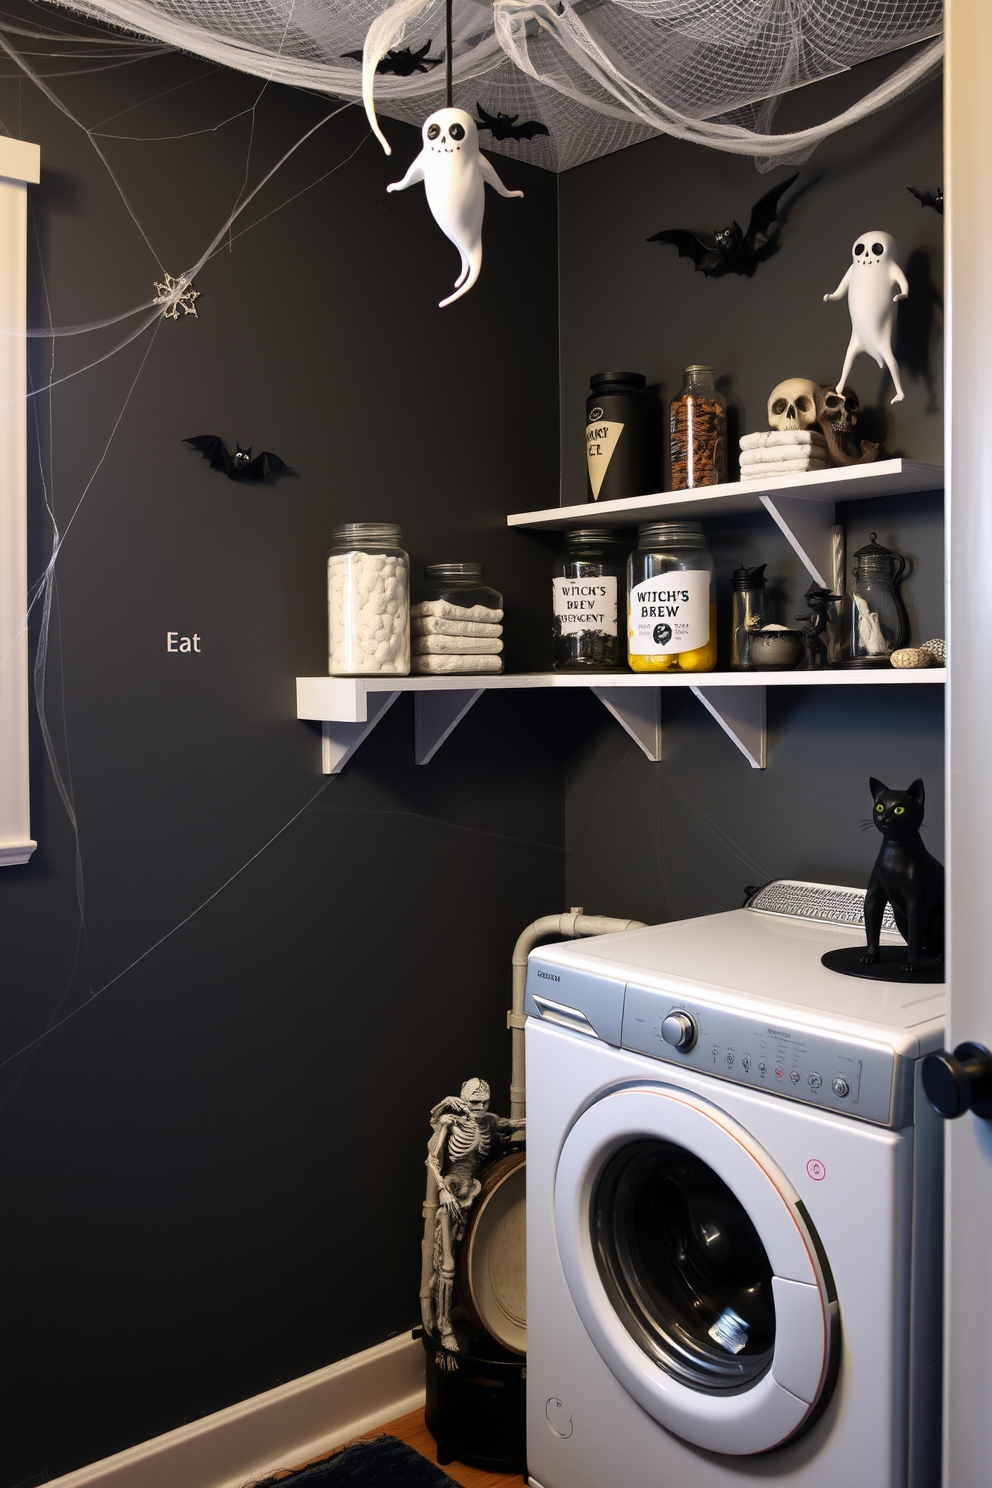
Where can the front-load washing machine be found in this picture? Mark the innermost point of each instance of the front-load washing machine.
(733, 1208)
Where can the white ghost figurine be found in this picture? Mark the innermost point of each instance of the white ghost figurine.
(454, 173)
(868, 285)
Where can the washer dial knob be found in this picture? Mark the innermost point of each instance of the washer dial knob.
(679, 1030)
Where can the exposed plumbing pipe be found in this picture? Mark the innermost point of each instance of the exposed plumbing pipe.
(568, 926)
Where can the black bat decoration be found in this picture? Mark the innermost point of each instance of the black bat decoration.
(733, 251)
(505, 126)
(403, 62)
(929, 198)
(240, 465)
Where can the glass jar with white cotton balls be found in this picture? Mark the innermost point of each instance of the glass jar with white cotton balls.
(368, 601)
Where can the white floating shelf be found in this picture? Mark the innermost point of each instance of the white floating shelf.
(802, 505)
(849, 483)
(349, 707)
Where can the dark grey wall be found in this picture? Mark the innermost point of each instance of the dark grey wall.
(629, 303)
(683, 838)
(213, 1172)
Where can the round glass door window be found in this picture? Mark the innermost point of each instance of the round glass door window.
(694, 1269)
(683, 1266)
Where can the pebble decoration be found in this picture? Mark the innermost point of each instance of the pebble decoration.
(931, 653)
(368, 614)
(910, 656)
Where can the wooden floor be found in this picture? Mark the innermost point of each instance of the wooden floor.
(411, 1429)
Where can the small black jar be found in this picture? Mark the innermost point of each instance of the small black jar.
(619, 453)
(588, 596)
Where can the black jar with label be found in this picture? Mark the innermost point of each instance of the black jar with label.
(588, 592)
(619, 453)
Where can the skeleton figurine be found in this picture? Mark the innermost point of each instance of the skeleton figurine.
(464, 1135)
(837, 414)
(816, 634)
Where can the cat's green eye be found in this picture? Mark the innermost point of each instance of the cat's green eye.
(879, 807)
(900, 810)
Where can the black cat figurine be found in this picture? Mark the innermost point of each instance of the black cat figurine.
(905, 876)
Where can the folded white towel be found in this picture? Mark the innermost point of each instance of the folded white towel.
(434, 665)
(435, 645)
(775, 438)
(431, 625)
(785, 467)
(780, 456)
(442, 610)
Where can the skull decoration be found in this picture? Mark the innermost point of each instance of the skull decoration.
(837, 414)
(792, 404)
(839, 410)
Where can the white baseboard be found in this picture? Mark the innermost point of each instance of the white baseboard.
(282, 1428)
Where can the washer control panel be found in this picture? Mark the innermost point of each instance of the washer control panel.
(821, 1069)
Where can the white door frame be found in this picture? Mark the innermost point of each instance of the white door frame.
(19, 164)
(968, 423)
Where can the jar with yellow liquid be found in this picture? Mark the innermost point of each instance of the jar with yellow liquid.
(671, 600)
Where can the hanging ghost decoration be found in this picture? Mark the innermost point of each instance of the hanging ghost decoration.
(868, 285)
(454, 173)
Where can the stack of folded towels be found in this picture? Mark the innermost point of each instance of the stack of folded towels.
(782, 452)
(454, 638)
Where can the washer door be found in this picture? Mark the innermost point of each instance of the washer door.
(695, 1270)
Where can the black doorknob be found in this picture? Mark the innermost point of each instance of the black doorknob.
(959, 1082)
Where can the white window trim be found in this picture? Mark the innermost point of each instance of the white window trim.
(19, 165)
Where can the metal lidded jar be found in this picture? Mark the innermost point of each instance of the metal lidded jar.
(619, 457)
(671, 600)
(878, 620)
(588, 590)
(699, 432)
(368, 601)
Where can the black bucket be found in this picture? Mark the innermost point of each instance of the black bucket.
(476, 1406)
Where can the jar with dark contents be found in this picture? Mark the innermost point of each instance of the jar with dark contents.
(587, 587)
(699, 432)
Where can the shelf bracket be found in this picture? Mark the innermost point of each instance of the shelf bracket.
(808, 525)
(340, 740)
(740, 712)
(638, 710)
(436, 715)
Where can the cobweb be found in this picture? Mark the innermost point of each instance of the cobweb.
(598, 74)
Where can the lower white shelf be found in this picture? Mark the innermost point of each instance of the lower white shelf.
(350, 707)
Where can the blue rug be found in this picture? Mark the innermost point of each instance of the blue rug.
(382, 1463)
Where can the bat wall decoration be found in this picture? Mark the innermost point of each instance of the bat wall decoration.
(403, 62)
(927, 198)
(505, 126)
(239, 466)
(732, 250)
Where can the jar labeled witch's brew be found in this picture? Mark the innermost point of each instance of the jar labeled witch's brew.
(587, 596)
(671, 605)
